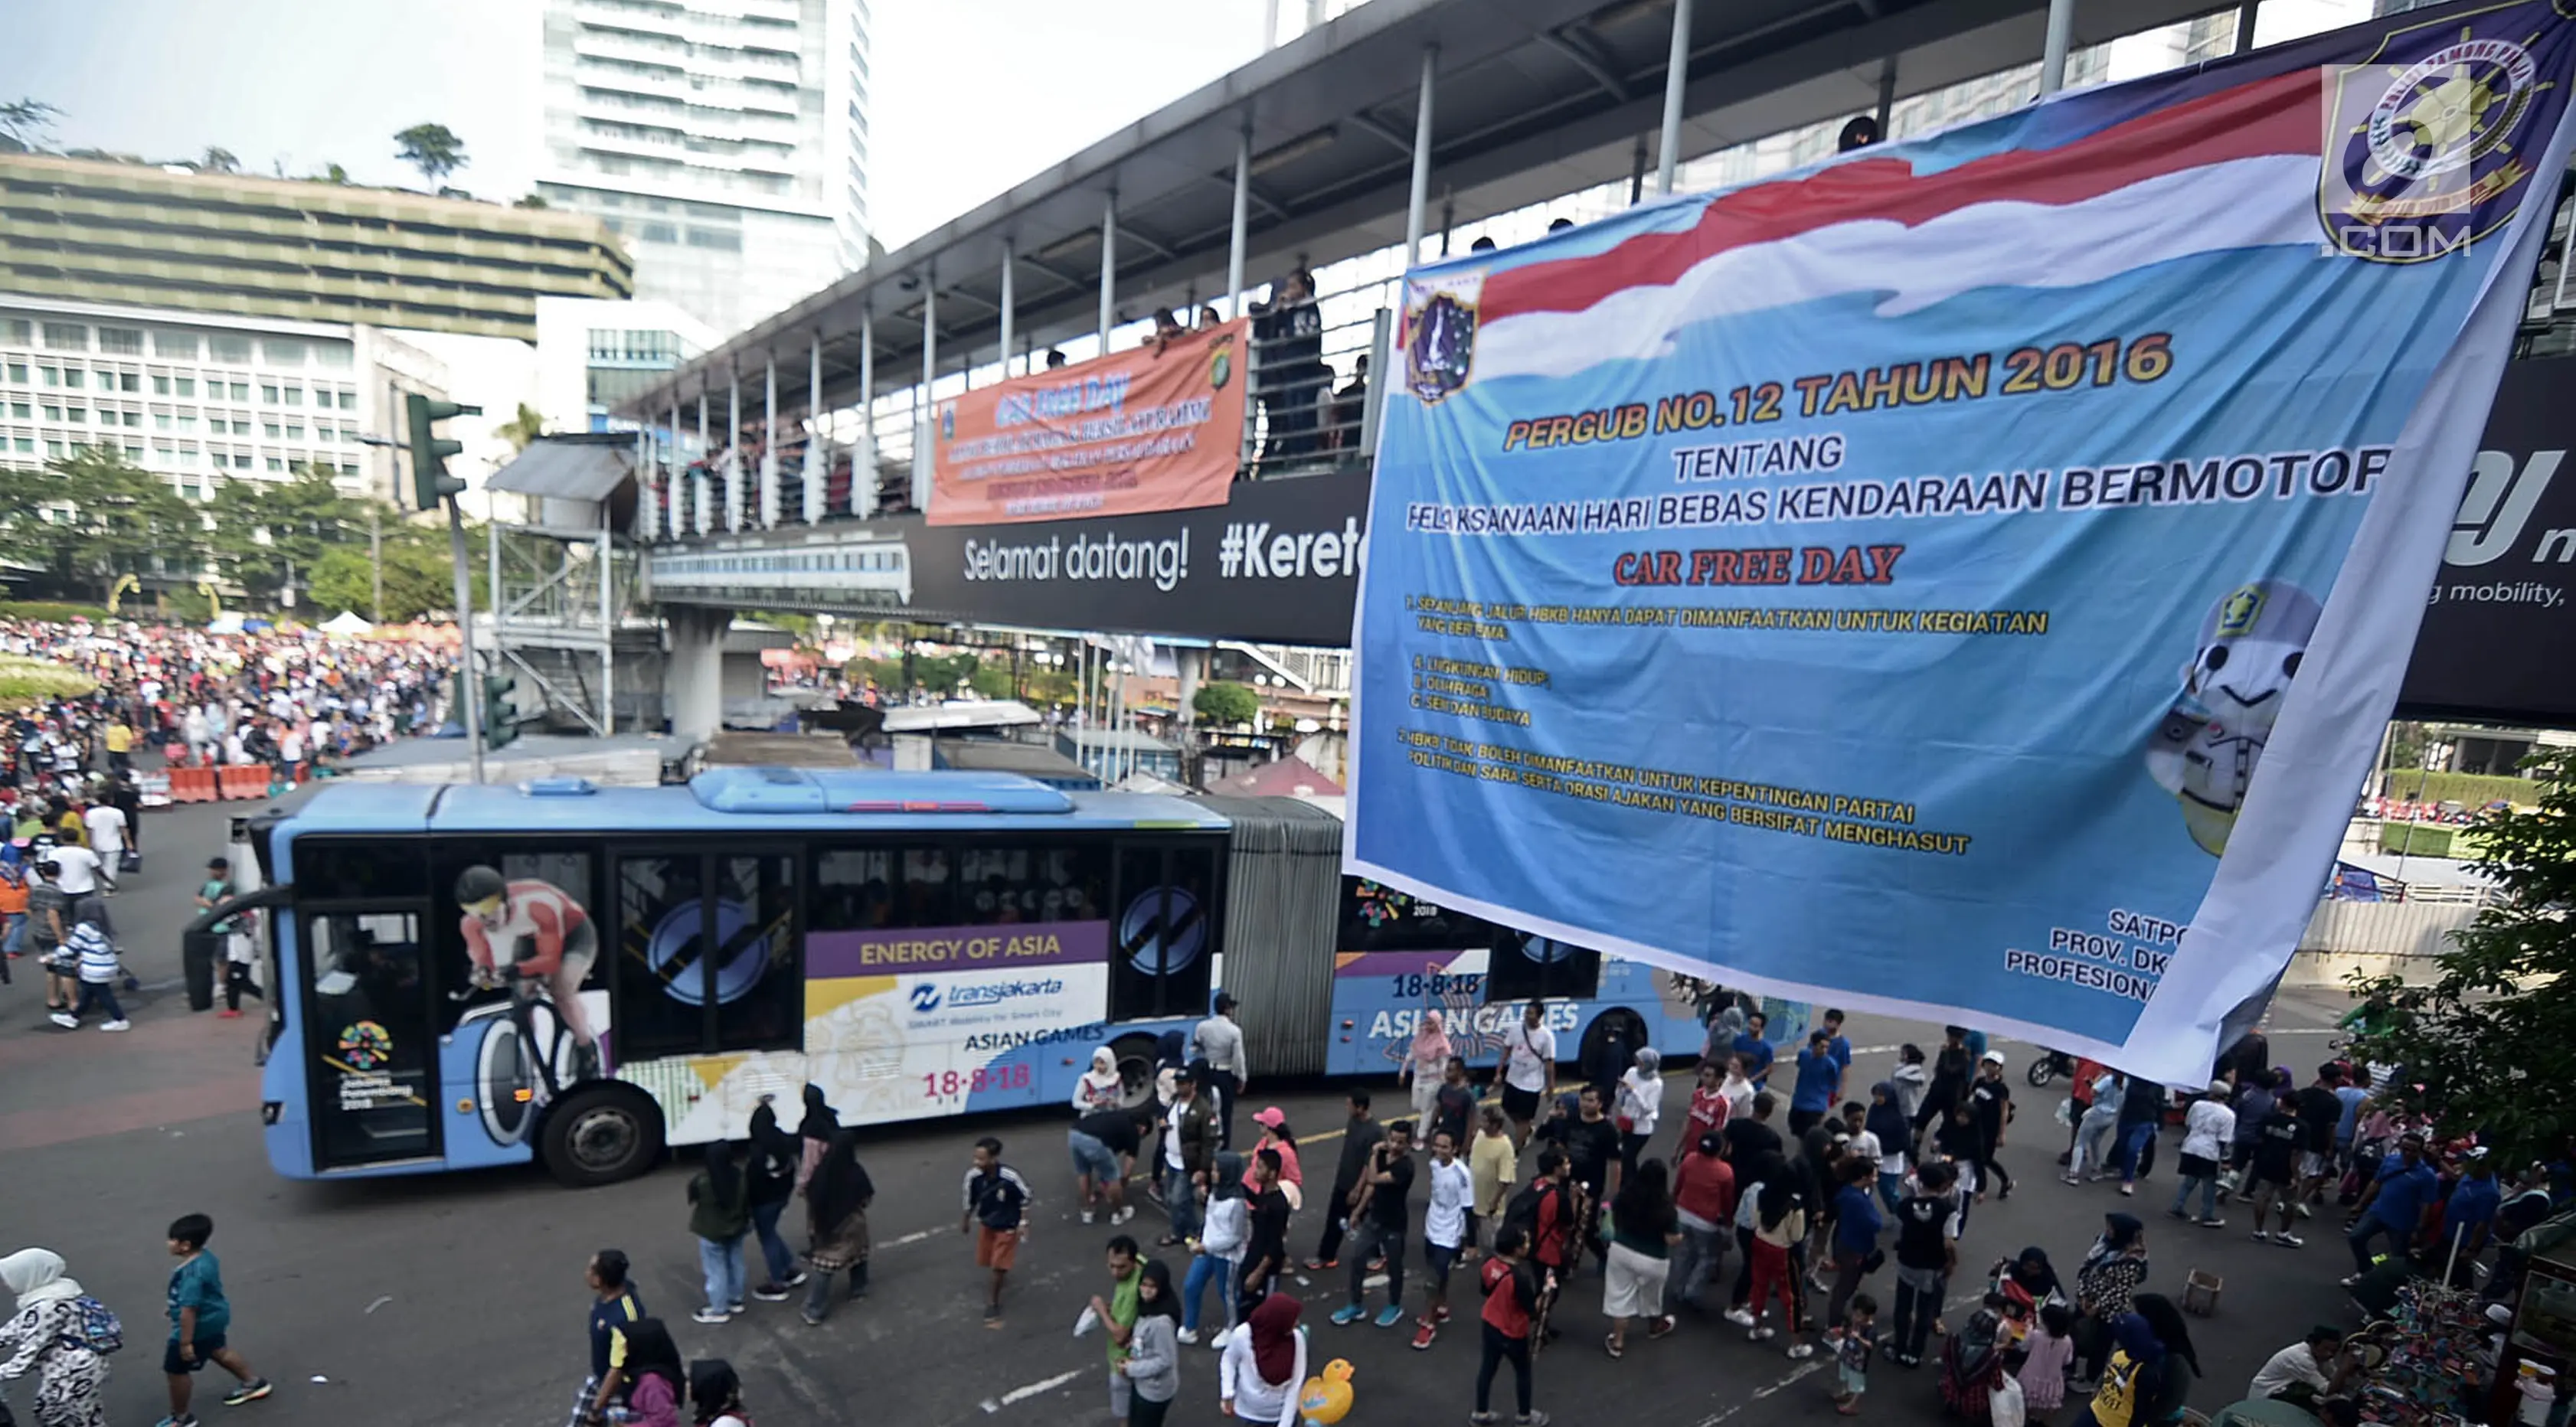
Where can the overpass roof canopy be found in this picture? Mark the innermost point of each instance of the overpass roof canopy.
(1532, 99)
(584, 467)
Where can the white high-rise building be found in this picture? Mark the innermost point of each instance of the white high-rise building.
(726, 141)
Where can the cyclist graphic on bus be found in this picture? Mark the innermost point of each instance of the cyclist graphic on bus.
(552, 946)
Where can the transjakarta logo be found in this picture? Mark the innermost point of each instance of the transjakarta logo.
(1254, 549)
(995, 994)
(925, 997)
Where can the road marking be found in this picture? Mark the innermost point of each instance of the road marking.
(912, 1238)
(1026, 1391)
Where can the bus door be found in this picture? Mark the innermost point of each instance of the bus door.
(371, 1035)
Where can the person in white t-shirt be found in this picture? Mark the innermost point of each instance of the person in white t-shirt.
(79, 868)
(1444, 1232)
(106, 824)
(1528, 1070)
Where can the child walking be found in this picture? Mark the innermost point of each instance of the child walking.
(200, 1322)
(1854, 1342)
(2051, 1351)
(99, 966)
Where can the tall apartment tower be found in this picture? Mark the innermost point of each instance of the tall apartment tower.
(725, 141)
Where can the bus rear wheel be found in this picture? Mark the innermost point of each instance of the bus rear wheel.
(600, 1133)
(1630, 1030)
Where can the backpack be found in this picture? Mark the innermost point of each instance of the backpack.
(97, 1326)
(1522, 1212)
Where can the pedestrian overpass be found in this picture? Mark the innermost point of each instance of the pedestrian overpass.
(779, 470)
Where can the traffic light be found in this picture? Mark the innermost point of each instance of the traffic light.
(500, 717)
(429, 453)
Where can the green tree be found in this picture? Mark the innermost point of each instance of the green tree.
(90, 517)
(333, 173)
(419, 578)
(218, 160)
(434, 149)
(530, 200)
(2489, 1043)
(523, 428)
(25, 124)
(1225, 704)
(270, 536)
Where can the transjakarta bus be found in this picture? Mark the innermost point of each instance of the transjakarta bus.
(472, 976)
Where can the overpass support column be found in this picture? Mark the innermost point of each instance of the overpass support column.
(1242, 197)
(863, 461)
(1886, 96)
(694, 669)
(1422, 158)
(1676, 80)
(923, 437)
(2061, 34)
(675, 477)
(818, 450)
(769, 448)
(702, 497)
(1108, 268)
(2245, 17)
(733, 451)
(1010, 300)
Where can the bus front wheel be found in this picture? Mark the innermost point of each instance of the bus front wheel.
(599, 1134)
(1135, 1057)
(1618, 1024)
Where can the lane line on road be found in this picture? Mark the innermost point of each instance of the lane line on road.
(1025, 1391)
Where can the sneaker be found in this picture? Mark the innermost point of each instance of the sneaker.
(251, 1391)
(1740, 1317)
(1125, 1213)
(190, 1420)
(1087, 1216)
(796, 1279)
(1531, 1419)
(116, 1025)
(771, 1293)
(2213, 1223)
(810, 1320)
(1189, 1337)
(2288, 1240)
(2350, 1281)
(736, 1311)
(64, 1020)
(711, 1315)
(1763, 1334)
(1346, 1315)
(228, 1014)
(1389, 1316)
(1424, 1330)
(2068, 1179)
(2176, 1214)
(1440, 1314)
(2307, 1211)
(1319, 1265)
(2262, 1237)
(1802, 1350)
(1483, 1419)
(992, 1315)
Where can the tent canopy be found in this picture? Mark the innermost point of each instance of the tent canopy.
(346, 622)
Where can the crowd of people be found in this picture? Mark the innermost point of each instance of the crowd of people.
(73, 768)
(1547, 1197)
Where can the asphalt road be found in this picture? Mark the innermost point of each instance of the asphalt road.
(460, 1299)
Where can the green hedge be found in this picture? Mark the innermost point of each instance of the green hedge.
(2415, 840)
(2474, 789)
(49, 611)
(24, 681)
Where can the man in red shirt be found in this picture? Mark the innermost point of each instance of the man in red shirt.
(1704, 1197)
(1516, 1291)
(556, 934)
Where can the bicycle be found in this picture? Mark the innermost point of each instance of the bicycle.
(524, 1049)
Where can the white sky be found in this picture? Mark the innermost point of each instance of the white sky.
(970, 96)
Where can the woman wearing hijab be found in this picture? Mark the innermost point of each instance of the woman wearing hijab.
(1972, 1363)
(1153, 1361)
(1640, 1105)
(715, 1394)
(816, 1131)
(2170, 1392)
(2028, 1277)
(2106, 1284)
(720, 1215)
(1426, 1064)
(770, 1175)
(836, 1217)
(45, 1335)
(1264, 1367)
(653, 1369)
(1100, 1087)
(2137, 1361)
(1895, 1133)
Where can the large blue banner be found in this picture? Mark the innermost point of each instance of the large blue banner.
(1966, 578)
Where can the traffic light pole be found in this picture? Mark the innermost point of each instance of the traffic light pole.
(469, 680)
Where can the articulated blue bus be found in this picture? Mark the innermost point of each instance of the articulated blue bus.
(580, 975)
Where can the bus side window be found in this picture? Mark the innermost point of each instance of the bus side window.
(1018, 885)
(662, 952)
(1163, 931)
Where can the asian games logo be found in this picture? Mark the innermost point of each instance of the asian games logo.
(2429, 157)
(1440, 333)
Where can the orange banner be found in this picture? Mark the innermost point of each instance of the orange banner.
(1133, 431)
